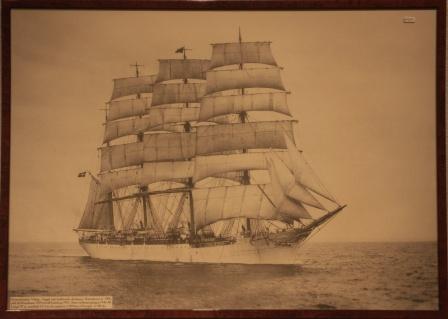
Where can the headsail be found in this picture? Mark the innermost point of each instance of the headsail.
(302, 172)
(281, 201)
(280, 172)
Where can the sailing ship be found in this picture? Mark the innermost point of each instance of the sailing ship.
(191, 170)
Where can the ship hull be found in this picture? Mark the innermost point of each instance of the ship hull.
(244, 251)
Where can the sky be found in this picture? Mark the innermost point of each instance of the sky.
(362, 88)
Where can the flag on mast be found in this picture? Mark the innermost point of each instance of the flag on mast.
(180, 50)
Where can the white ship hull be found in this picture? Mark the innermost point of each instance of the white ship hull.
(242, 252)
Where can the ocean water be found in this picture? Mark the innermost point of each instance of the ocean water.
(392, 276)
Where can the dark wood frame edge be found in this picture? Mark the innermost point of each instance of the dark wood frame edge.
(438, 5)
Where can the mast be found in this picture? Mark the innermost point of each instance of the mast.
(143, 189)
(190, 184)
(242, 117)
(128, 114)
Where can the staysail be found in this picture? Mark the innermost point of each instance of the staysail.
(303, 173)
(97, 216)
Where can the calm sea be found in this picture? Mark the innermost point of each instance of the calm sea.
(398, 276)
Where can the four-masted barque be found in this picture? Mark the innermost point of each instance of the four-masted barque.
(199, 164)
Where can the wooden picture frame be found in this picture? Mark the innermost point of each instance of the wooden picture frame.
(439, 6)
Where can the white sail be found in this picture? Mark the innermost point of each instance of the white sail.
(125, 127)
(97, 216)
(169, 127)
(212, 106)
(167, 115)
(123, 155)
(283, 204)
(148, 174)
(177, 69)
(175, 171)
(211, 165)
(288, 183)
(133, 85)
(251, 135)
(172, 93)
(245, 52)
(251, 201)
(303, 173)
(154, 148)
(169, 146)
(247, 78)
(127, 108)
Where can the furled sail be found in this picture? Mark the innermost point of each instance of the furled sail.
(125, 127)
(211, 165)
(172, 93)
(175, 69)
(150, 173)
(127, 108)
(241, 52)
(219, 203)
(133, 85)
(97, 216)
(169, 146)
(212, 106)
(247, 78)
(303, 173)
(123, 155)
(250, 135)
(167, 115)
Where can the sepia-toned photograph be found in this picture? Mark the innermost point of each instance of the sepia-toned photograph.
(223, 160)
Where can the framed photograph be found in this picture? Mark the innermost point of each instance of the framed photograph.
(221, 159)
